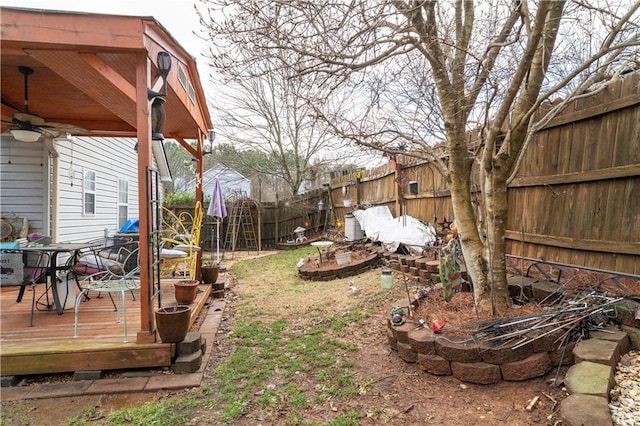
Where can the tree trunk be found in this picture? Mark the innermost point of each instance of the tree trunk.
(473, 249)
(496, 294)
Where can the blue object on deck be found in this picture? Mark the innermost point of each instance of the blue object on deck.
(10, 245)
(132, 225)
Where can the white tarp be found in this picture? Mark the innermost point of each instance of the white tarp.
(379, 225)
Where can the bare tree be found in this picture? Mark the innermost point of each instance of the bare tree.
(424, 73)
(181, 165)
(267, 112)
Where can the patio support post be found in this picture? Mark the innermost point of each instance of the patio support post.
(143, 106)
(199, 192)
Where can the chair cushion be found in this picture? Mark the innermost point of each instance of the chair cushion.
(81, 269)
(186, 248)
(100, 263)
(172, 253)
(34, 274)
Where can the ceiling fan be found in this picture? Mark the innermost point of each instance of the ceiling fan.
(27, 127)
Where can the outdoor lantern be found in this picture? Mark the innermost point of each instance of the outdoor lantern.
(158, 117)
(320, 205)
(211, 136)
(164, 66)
(158, 114)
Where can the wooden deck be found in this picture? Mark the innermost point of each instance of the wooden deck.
(49, 346)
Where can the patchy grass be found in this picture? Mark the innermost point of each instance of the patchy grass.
(289, 350)
(290, 341)
(166, 412)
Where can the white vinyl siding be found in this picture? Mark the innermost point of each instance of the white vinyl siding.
(113, 159)
(25, 183)
(29, 174)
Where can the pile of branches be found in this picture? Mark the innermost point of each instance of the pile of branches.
(569, 321)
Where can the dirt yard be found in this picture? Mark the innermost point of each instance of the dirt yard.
(392, 391)
(400, 393)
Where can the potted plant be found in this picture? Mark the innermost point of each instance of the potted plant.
(209, 273)
(185, 291)
(172, 322)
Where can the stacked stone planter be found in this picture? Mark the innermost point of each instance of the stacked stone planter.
(592, 362)
(421, 269)
(475, 362)
(470, 361)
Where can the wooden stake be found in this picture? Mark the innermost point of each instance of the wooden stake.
(406, 286)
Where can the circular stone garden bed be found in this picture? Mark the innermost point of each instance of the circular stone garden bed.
(454, 350)
(326, 267)
(527, 341)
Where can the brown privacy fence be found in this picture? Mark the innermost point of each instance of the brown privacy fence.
(277, 220)
(574, 200)
(576, 197)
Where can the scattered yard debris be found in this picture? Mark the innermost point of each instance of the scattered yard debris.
(532, 403)
(569, 321)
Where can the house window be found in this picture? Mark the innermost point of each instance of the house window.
(123, 202)
(89, 192)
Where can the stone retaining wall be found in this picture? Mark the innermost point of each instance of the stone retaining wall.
(331, 271)
(475, 362)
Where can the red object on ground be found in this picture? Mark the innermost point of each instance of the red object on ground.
(437, 325)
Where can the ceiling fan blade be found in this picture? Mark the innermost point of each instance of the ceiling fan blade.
(25, 117)
(64, 128)
(24, 120)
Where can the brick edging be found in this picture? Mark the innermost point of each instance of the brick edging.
(472, 361)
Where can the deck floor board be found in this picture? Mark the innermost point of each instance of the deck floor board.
(99, 335)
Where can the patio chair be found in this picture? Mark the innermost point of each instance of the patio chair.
(181, 245)
(121, 279)
(34, 272)
(100, 259)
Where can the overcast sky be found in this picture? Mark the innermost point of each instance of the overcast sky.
(177, 16)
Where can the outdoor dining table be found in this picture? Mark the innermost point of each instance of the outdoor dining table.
(53, 250)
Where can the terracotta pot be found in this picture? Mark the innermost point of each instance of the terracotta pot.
(209, 274)
(172, 323)
(185, 291)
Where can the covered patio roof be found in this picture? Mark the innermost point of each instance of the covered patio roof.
(93, 74)
(86, 70)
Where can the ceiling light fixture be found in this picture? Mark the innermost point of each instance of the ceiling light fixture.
(25, 135)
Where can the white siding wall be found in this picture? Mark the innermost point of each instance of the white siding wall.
(24, 182)
(27, 177)
(111, 159)
(230, 181)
